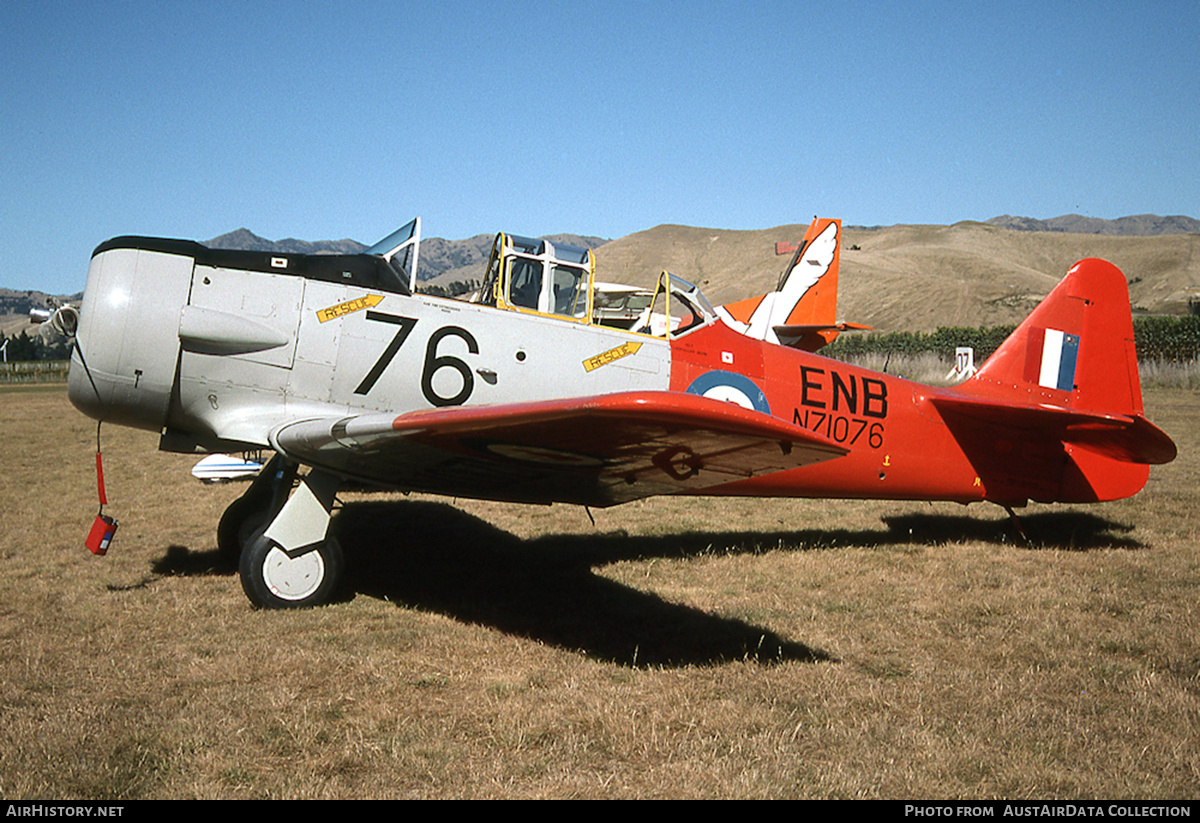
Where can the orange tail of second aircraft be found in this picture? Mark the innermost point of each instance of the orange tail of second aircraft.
(802, 311)
(1065, 383)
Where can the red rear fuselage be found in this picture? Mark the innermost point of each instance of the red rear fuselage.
(1055, 415)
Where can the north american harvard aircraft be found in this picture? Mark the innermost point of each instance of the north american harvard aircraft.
(350, 378)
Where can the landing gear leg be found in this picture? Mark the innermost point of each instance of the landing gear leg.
(254, 509)
(294, 562)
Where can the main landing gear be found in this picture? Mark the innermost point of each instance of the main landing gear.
(277, 534)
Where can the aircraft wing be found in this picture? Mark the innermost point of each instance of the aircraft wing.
(596, 451)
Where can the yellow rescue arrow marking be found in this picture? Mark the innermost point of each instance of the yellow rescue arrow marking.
(604, 358)
(342, 309)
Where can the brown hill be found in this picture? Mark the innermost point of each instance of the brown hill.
(915, 278)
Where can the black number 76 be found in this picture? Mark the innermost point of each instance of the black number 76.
(433, 362)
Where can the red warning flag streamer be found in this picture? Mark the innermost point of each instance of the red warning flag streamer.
(100, 481)
(100, 472)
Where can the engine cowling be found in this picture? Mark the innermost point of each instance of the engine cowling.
(124, 367)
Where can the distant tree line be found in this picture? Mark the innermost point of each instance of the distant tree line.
(1170, 339)
(1167, 339)
(984, 340)
(25, 347)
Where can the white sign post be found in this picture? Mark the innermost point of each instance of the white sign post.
(964, 363)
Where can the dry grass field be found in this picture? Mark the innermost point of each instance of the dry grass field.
(677, 648)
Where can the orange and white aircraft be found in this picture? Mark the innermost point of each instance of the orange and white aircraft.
(334, 364)
(802, 310)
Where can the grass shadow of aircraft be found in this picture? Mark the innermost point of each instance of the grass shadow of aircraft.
(1062, 530)
(434, 556)
(545, 589)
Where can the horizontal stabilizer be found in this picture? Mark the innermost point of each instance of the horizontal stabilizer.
(1128, 438)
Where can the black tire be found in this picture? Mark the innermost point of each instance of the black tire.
(242, 518)
(250, 512)
(273, 580)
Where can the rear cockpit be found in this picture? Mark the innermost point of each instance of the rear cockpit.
(676, 308)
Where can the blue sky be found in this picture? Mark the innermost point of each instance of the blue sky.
(330, 120)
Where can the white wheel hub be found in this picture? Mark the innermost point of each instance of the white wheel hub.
(293, 578)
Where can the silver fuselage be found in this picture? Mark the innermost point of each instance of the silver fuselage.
(217, 349)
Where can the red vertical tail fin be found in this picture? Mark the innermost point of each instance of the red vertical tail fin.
(1075, 350)
(1056, 412)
